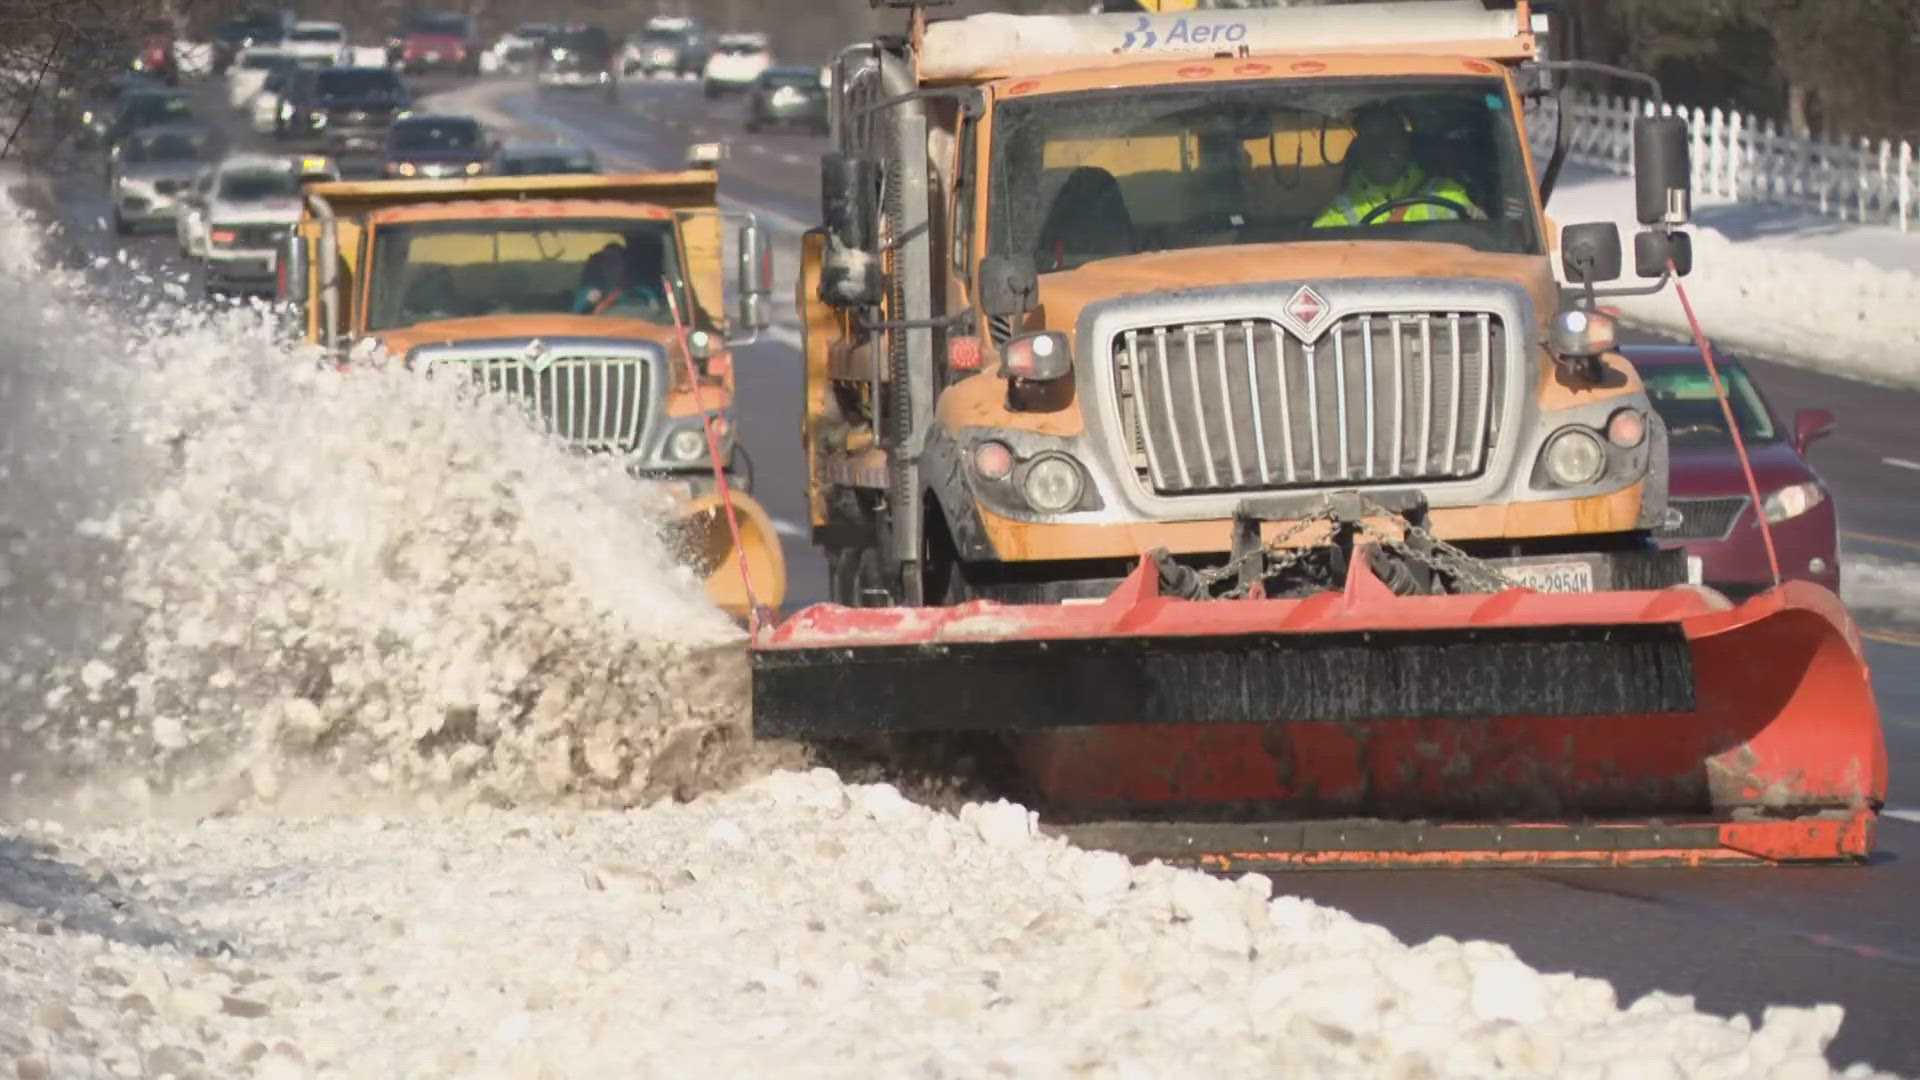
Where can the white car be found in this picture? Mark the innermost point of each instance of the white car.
(317, 44)
(250, 71)
(263, 109)
(517, 51)
(737, 60)
(238, 216)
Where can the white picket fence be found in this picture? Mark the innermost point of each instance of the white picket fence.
(1744, 159)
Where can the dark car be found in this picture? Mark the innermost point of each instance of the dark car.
(344, 109)
(1710, 512)
(144, 109)
(542, 159)
(254, 28)
(440, 41)
(668, 45)
(787, 97)
(437, 147)
(95, 114)
(578, 57)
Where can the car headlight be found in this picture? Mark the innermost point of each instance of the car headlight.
(286, 110)
(1053, 484)
(475, 168)
(686, 444)
(1575, 458)
(1792, 501)
(318, 119)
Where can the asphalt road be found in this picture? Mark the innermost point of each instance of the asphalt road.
(1736, 939)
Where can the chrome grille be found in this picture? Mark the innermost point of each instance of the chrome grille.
(1220, 406)
(1702, 519)
(590, 402)
(258, 236)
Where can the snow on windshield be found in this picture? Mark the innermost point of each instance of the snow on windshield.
(254, 186)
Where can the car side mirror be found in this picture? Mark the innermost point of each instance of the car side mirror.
(1652, 249)
(1009, 286)
(1662, 171)
(1810, 426)
(755, 279)
(1590, 252)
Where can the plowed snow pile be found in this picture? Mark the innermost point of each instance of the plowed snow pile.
(360, 706)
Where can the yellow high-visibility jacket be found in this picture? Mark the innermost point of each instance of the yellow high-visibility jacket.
(1363, 197)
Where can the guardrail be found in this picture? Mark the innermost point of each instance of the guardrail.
(1747, 159)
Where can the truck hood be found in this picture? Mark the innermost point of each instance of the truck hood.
(401, 340)
(1064, 294)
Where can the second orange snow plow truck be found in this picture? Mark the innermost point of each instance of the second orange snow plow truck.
(592, 301)
(1193, 409)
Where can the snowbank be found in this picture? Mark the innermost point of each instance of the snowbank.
(1884, 587)
(1773, 299)
(796, 927)
(371, 578)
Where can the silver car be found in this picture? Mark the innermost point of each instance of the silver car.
(153, 170)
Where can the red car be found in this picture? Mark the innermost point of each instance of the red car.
(441, 42)
(1709, 510)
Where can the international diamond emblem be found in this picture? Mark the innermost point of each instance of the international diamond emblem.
(537, 356)
(1307, 313)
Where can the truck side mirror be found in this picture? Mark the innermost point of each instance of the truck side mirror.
(1652, 249)
(849, 199)
(1662, 171)
(755, 284)
(1590, 253)
(1009, 286)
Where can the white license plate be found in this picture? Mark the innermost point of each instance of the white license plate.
(1566, 577)
(1696, 571)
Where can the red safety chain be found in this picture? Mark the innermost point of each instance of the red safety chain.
(713, 457)
(1733, 425)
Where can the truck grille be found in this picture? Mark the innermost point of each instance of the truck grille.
(589, 402)
(259, 236)
(1702, 519)
(1219, 406)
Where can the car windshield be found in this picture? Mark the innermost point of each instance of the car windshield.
(326, 34)
(662, 37)
(446, 25)
(360, 82)
(254, 186)
(436, 135)
(265, 61)
(1099, 174)
(1684, 397)
(532, 165)
(167, 147)
(160, 109)
(799, 79)
(740, 50)
(449, 270)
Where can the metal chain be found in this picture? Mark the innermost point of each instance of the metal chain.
(1438, 555)
(1280, 554)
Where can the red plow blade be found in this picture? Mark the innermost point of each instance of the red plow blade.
(1362, 729)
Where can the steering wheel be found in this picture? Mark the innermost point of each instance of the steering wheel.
(1388, 207)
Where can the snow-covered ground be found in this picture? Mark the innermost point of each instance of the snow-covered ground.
(1842, 299)
(386, 740)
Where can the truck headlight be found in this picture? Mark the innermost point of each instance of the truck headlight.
(1792, 501)
(686, 444)
(1053, 484)
(1575, 457)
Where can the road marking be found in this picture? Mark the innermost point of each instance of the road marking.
(1903, 815)
(1892, 637)
(783, 527)
(1875, 538)
(794, 159)
(1901, 463)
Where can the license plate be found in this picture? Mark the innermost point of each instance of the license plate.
(1566, 577)
(1696, 570)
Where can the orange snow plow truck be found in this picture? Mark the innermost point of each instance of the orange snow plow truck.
(1194, 418)
(593, 301)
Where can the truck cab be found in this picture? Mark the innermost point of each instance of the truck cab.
(595, 301)
(1210, 284)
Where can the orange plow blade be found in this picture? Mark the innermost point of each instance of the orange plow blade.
(1363, 729)
(702, 537)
